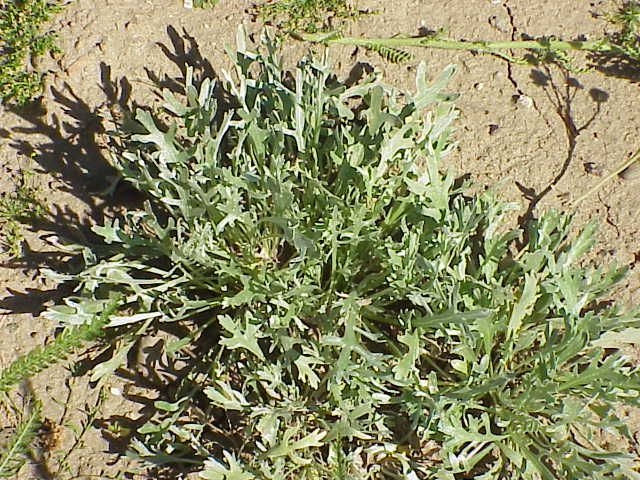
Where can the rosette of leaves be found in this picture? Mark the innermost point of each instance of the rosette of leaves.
(353, 312)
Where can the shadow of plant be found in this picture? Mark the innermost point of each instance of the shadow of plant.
(619, 66)
(155, 376)
(73, 147)
(561, 94)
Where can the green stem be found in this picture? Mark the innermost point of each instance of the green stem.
(14, 455)
(39, 358)
(600, 45)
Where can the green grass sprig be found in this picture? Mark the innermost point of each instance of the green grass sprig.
(14, 452)
(40, 358)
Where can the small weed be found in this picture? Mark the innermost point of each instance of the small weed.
(628, 20)
(14, 452)
(21, 206)
(22, 40)
(11, 240)
(200, 3)
(205, 3)
(307, 15)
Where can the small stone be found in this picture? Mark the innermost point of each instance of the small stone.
(499, 24)
(592, 168)
(524, 101)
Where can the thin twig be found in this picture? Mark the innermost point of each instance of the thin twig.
(617, 171)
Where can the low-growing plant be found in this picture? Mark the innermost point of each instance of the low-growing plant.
(352, 310)
(200, 3)
(307, 15)
(627, 18)
(21, 206)
(22, 40)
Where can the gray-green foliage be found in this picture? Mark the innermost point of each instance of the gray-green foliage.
(367, 318)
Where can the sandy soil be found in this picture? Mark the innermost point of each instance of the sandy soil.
(543, 136)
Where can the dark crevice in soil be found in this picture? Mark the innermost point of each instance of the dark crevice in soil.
(562, 98)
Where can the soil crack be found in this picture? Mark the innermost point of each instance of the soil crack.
(516, 86)
(608, 217)
(514, 29)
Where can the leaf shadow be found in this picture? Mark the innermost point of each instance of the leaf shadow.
(561, 94)
(618, 66)
(72, 146)
(153, 376)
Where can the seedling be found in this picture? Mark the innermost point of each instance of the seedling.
(22, 206)
(22, 40)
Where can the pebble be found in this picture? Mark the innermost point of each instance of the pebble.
(592, 168)
(499, 24)
(524, 101)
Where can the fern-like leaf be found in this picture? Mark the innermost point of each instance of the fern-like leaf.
(40, 358)
(390, 54)
(14, 453)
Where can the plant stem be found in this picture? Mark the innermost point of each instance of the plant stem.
(599, 45)
(40, 358)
